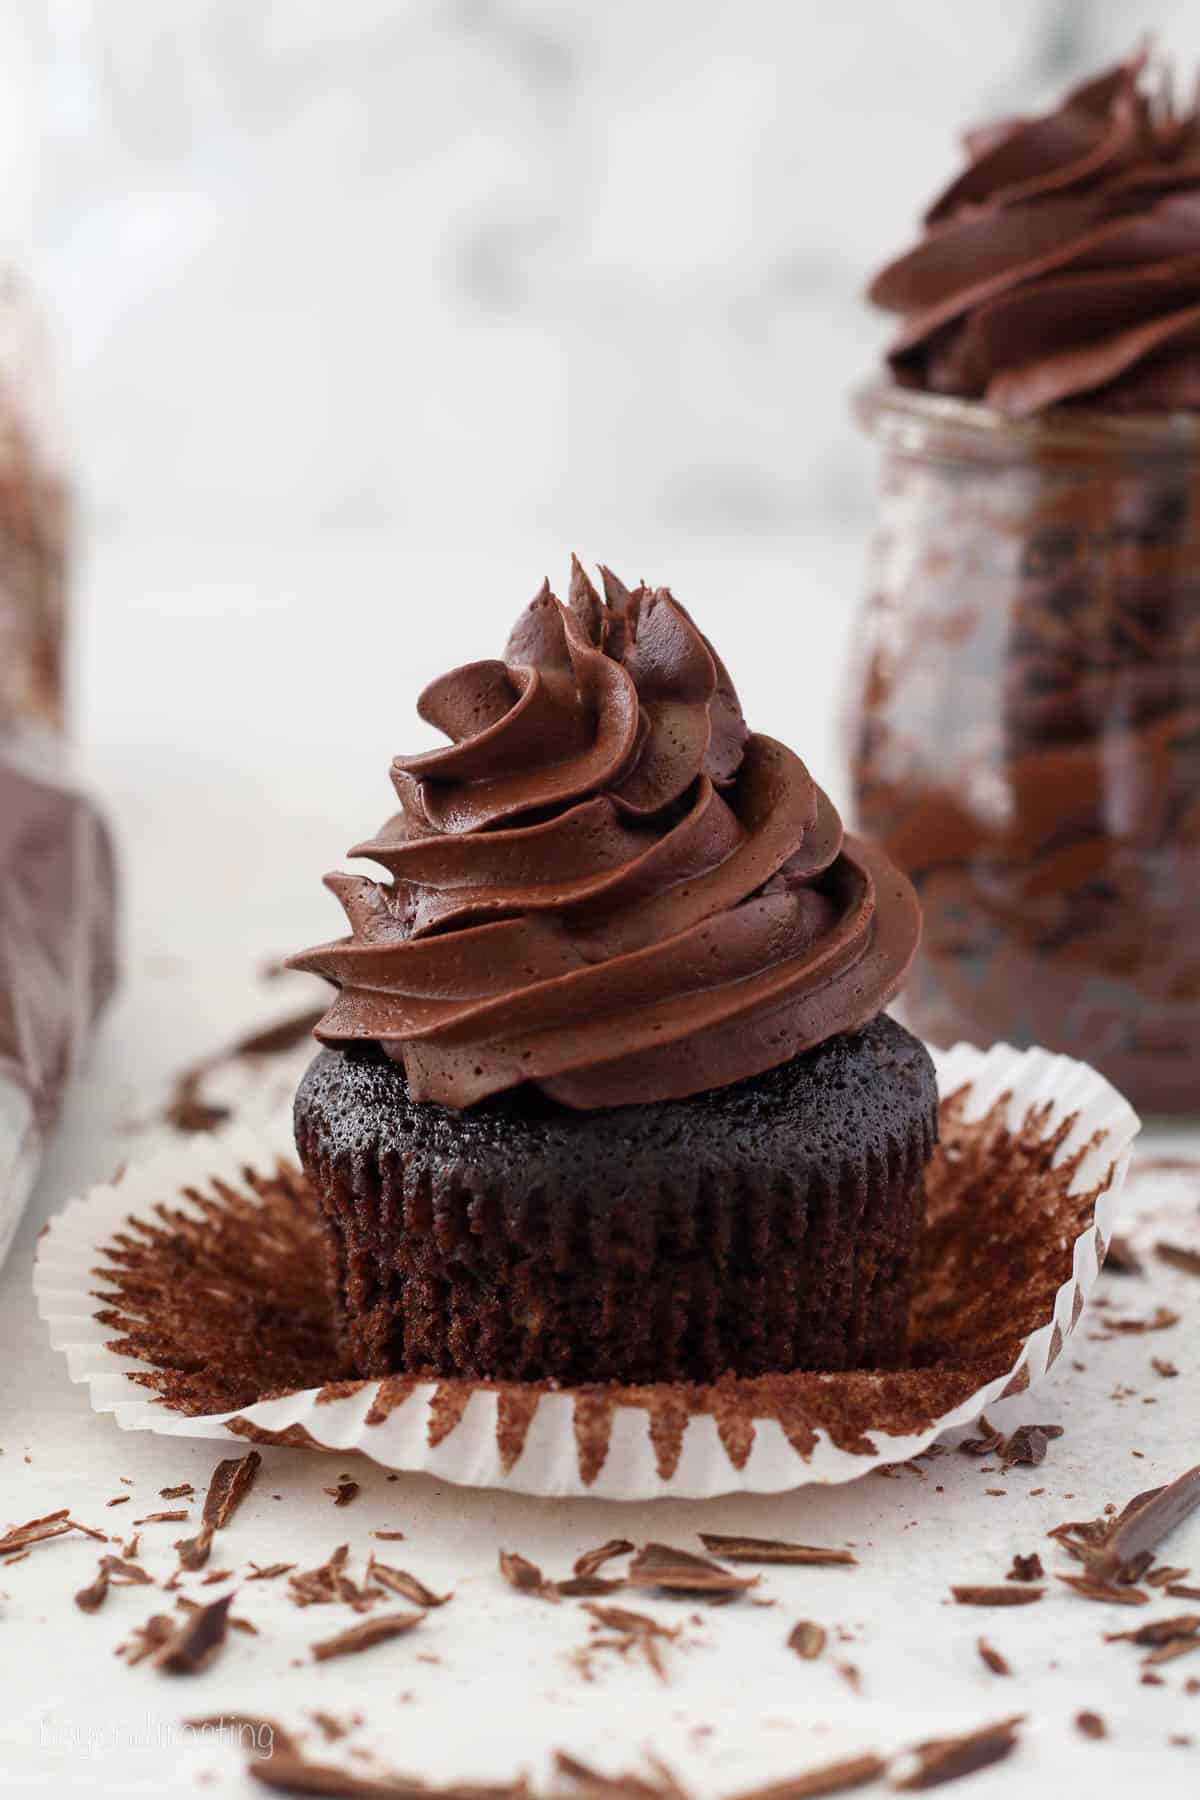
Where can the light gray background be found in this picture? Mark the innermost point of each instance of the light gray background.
(439, 265)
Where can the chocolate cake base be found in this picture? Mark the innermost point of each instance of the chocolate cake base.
(759, 1228)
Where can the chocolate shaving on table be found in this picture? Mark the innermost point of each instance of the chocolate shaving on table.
(589, 1784)
(1121, 1258)
(148, 1637)
(389, 1537)
(679, 1571)
(1162, 1320)
(196, 1642)
(851, 1674)
(1158, 1631)
(1026, 1568)
(345, 1491)
(948, 1759)
(1110, 1593)
(1178, 1591)
(1147, 1520)
(771, 1550)
(581, 1587)
(366, 1635)
(1164, 1575)
(1028, 1444)
(174, 1517)
(592, 1561)
(37, 1531)
(525, 1576)
(1181, 1646)
(998, 1664)
(807, 1639)
(184, 1491)
(187, 1110)
(1091, 1725)
(976, 1594)
(271, 1572)
(228, 1486)
(247, 1626)
(329, 1583)
(813, 1784)
(1179, 1257)
(1162, 1366)
(119, 1500)
(91, 1598)
(635, 1631)
(114, 1571)
(399, 1581)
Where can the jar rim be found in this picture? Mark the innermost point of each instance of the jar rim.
(912, 420)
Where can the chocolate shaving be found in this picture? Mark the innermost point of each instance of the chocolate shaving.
(807, 1639)
(1026, 1568)
(1147, 1520)
(329, 1583)
(112, 1570)
(1158, 1631)
(678, 1571)
(1182, 1646)
(949, 1759)
(365, 1636)
(1091, 1725)
(592, 1561)
(635, 1631)
(1092, 1588)
(157, 1630)
(976, 1595)
(163, 1518)
(1179, 1257)
(196, 1642)
(771, 1550)
(90, 1599)
(1163, 1367)
(37, 1531)
(1121, 1258)
(345, 1491)
(1178, 1591)
(993, 1659)
(390, 1537)
(813, 1784)
(1162, 1320)
(399, 1581)
(271, 1572)
(580, 1587)
(188, 1111)
(228, 1486)
(184, 1491)
(1027, 1444)
(525, 1576)
(119, 1500)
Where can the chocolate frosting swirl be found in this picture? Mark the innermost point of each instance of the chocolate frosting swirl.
(605, 885)
(1063, 263)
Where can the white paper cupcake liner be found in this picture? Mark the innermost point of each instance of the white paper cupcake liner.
(1065, 1151)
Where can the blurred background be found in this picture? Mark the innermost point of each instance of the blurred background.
(364, 315)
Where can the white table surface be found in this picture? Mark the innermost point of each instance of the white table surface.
(237, 707)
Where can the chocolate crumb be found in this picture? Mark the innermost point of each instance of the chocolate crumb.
(1162, 1320)
(119, 1500)
(770, 1550)
(184, 1491)
(591, 1561)
(345, 1491)
(329, 1583)
(807, 1639)
(1150, 1679)
(90, 1599)
(635, 1631)
(1091, 1725)
(365, 1636)
(851, 1675)
(980, 1595)
(1109, 1592)
(389, 1537)
(814, 1784)
(195, 1643)
(949, 1759)
(1026, 1568)
(1164, 1367)
(995, 1662)
(679, 1571)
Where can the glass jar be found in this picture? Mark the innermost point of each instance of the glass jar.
(1026, 733)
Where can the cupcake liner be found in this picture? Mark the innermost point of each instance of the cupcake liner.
(1023, 1198)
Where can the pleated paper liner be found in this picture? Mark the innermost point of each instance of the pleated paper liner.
(191, 1300)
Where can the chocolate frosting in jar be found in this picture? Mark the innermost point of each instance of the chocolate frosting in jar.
(605, 885)
(1062, 265)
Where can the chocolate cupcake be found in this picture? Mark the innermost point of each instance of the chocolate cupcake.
(606, 1092)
